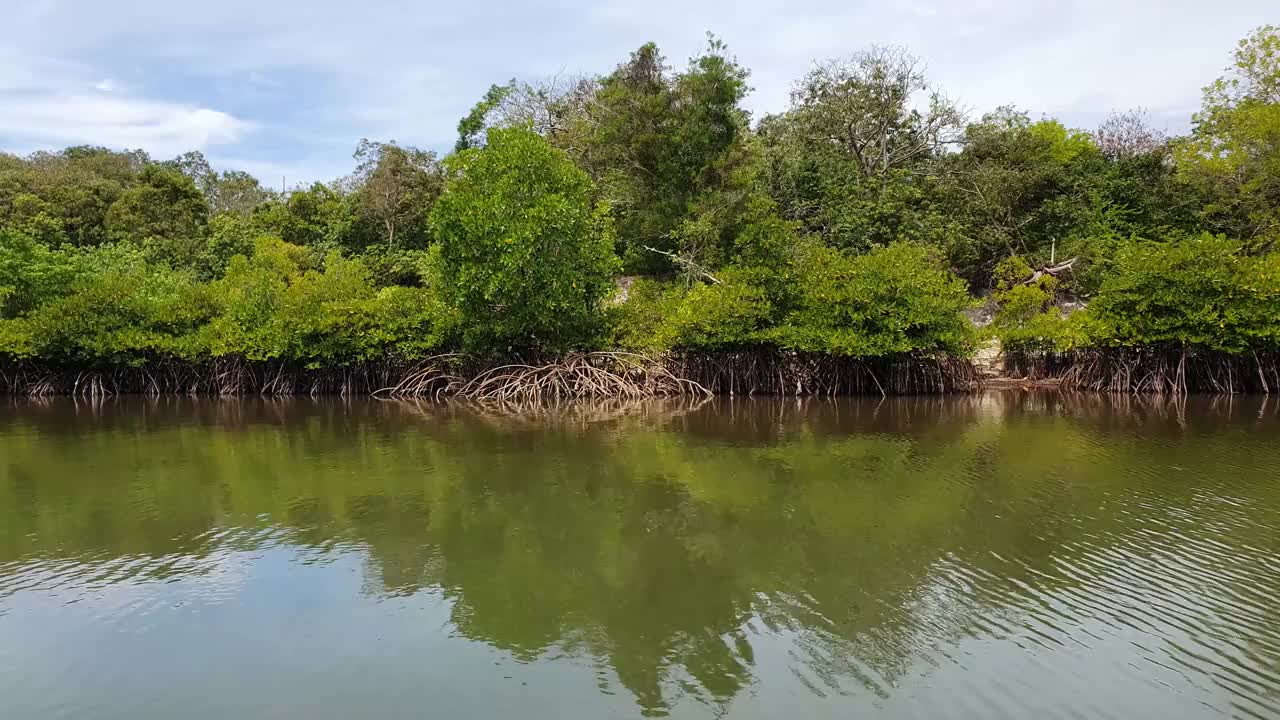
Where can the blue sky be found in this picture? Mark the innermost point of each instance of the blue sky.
(286, 88)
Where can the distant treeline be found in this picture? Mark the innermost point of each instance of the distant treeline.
(646, 211)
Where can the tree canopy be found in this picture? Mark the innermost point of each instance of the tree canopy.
(862, 221)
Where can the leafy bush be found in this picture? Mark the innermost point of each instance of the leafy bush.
(730, 313)
(409, 322)
(31, 273)
(165, 214)
(15, 339)
(640, 323)
(891, 301)
(1028, 319)
(1202, 293)
(338, 317)
(525, 256)
(272, 306)
(251, 297)
(125, 312)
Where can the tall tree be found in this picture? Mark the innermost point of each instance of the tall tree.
(850, 159)
(75, 188)
(659, 144)
(231, 191)
(549, 108)
(471, 129)
(322, 217)
(1019, 188)
(1141, 192)
(395, 187)
(1129, 134)
(865, 105)
(165, 214)
(1234, 147)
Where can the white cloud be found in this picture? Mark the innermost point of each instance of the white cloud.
(49, 102)
(319, 74)
(277, 175)
(162, 128)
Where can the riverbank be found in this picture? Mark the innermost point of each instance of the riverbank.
(1145, 371)
(629, 375)
(574, 376)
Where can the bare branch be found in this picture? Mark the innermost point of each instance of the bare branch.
(687, 264)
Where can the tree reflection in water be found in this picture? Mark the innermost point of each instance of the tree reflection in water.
(665, 541)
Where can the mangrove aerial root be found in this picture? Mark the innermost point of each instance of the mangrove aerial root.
(789, 373)
(574, 377)
(1151, 372)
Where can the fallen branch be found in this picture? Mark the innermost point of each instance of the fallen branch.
(1053, 270)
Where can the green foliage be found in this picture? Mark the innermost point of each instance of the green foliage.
(230, 192)
(851, 159)
(1205, 293)
(1233, 152)
(471, 129)
(395, 188)
(37, 219)
(31, 273)
(250, 298)
(1143, 195)
(75, 187)
(891, 301)
(323, 314)
(524, 254)
(401, 267)
(124, 312)
(407, 322)
(664, 149)
(1058, 145)
(319, 216)
(639, 324)
(1021, 188)
(823, 230)
(165, 214)
(15, 339)
(728, 314)
(274, 306)
(1028, 319)
(229, 235)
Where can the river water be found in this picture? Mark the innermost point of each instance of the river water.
(1006, 555)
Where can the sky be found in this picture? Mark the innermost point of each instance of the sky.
(286, 88)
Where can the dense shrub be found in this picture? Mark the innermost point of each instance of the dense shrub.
(891, 301)
(638, 324)
(125, 312)
(1201, 294)
(525, 255)
(1205, 293)
(273, 306)
(730, 313)
(31, 273)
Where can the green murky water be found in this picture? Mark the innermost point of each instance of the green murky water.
(998, 556)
